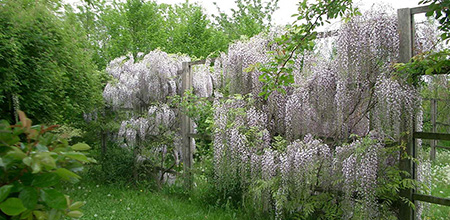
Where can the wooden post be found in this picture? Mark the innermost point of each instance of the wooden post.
(406, 37)
(433, 107)
(405, 28)
(186, 128)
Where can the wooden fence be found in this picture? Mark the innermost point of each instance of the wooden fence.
(406, 31)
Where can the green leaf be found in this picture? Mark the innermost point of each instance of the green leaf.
(54, 215)
(54, 199)
(41, 148)
(74, 214)
(46, 159)
(36, 165)
(39, 215)
(46, 180)
(76, 205)
(4, 192)
(67, 175)
(81, 147)
(76, 156)
(27, 161)
(26, 215)
(429, 71)
(12, 207)
(16, 153)
(29, 197)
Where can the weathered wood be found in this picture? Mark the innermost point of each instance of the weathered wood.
(405, 29)
(187, 156)
(419, 10)
(198, 62)
(432, 136)
(443, 124)
(433, 129)
(432, 199)
(445, 147)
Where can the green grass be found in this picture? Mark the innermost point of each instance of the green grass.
(440, 186)
(125, 202)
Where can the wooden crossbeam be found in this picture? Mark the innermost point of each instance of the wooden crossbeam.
(431, 199)
(432, 136)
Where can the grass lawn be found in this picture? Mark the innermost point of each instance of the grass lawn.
(120, 202)
(440, 186)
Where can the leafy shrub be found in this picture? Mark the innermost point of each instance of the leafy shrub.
(114, 166)
(34, 162)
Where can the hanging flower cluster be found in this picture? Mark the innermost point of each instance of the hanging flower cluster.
(298, 172)
(239, 134)
(158, 120)
(138, 84)
(351, 91)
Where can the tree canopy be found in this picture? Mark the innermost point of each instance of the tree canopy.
(44, 65)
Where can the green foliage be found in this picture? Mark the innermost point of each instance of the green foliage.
(117, 28)
(278, 73)
(440, 9)
(45, 68)
(249, 19)
(189, 31)
(201, 111)
(428, 63)
(34, 162)
(113, 166)
(106, 201)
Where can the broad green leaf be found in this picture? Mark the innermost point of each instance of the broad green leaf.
(27, 215)
(54, 215)
(29, 197)
(4, 192)
(76, 156)
(46, 180)
(46, 159)
(67, 175)
(81, 147)
(12, 206)
(16, 153)
(429, 71)
(27, 161)
(39, 215)
(41, 148)
(54, 199)
(36, 165)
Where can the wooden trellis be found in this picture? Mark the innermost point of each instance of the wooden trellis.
(406, 31)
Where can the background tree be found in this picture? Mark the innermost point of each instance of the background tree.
(44, 63)
(250, 18)
(117, 28)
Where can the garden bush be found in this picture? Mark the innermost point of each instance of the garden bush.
(34, 163)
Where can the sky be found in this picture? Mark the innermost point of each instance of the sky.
(286, 7)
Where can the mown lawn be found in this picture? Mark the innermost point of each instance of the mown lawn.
(125, 202)
(440, 186)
